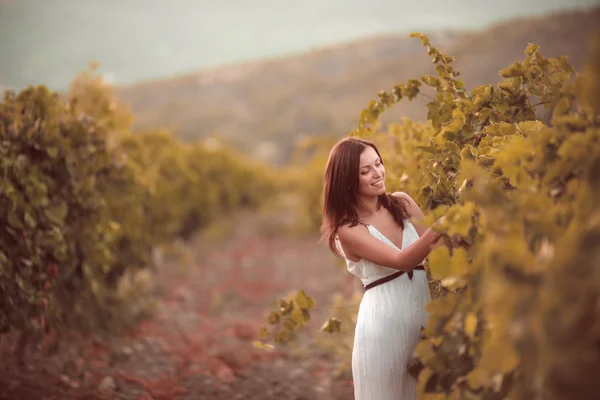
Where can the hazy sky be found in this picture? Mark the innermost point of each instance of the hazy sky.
(49, 41)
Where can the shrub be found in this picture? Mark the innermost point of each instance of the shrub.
(84, 201)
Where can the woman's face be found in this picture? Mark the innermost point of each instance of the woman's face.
(371, 173)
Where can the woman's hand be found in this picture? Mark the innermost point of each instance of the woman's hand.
(440, 222)
(447, 241)
(442, 239)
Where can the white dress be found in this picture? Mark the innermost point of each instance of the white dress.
(388, 327)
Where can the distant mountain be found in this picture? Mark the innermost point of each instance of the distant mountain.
(48, 41)
(265, 107)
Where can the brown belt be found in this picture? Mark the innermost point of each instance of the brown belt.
(392, 277)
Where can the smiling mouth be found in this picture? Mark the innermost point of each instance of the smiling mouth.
(378, 184)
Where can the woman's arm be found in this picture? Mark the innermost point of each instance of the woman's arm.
(357, 243)
(417, 217)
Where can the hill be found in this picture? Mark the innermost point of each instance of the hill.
(48, 42)
(265, 107)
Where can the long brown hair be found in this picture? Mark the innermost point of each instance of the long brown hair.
(341, 190)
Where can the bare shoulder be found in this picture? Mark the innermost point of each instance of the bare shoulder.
(352, 240)
(350, 234)
(414, 212)
(410, 202)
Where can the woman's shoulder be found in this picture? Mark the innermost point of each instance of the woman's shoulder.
(402, 196)
(349, 230)
(411, 206)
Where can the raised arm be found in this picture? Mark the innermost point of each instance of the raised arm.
(358, 243)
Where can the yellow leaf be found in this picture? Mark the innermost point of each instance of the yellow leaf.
(569, 121)
(428, 149)
(439, 263)
(478, 378)
(303, 301)
(299, 317)
(531, 48)
(453, 283)
(466, 153)
(471, 324)
(282, 336)
(434, 396)
(425, 351)
(424, 376)
(441, 307)
(261, 345)
(332, 325)
(460, 225)
(501, 129)
(454, 126)
(499, 356)
(273, 318)
(285, 307)
(290, 324)
(263, 333)
(437, 340)
(460, 262)
(453, 148)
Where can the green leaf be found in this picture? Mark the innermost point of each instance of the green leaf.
(52, 152)
(453, 148)
(14, 220)
(448, 135)
(467, 153)
(30, 220)
(56, 212)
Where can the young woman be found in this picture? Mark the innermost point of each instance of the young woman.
(372, 231)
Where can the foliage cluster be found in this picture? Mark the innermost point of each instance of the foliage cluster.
(84, 201)
(516, 313)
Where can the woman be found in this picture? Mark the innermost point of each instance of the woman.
(372, 231)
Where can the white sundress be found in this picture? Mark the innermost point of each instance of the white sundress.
(388, 327)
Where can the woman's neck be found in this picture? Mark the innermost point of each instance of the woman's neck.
(367, 207)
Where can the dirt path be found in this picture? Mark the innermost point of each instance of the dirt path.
(198, 345)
